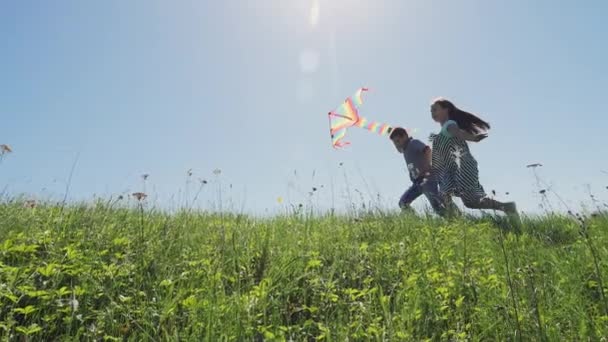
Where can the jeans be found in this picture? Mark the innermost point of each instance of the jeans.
(428, 188)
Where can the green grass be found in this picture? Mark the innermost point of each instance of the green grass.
(100, 273)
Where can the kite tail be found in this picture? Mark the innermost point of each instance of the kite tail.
(374, 126)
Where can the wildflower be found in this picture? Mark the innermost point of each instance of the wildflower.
(140, 196)
(280, 199)
(74, 304)
(30, 204)
(5, 149)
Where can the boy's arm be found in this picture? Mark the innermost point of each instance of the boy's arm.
(464, 135)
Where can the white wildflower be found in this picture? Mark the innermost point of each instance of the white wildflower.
(74, 304)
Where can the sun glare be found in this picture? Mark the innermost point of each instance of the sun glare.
(315, 11)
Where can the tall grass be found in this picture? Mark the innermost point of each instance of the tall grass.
(103, 272)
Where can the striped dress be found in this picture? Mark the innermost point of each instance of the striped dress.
(454, 167)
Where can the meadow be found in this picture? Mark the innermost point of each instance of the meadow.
(112, 271)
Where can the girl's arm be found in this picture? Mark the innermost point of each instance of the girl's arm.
(464, 135)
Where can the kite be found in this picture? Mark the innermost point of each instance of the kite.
(347, 115)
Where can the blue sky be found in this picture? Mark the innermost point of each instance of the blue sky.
(126, 88)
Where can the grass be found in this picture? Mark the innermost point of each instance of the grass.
(98, 272)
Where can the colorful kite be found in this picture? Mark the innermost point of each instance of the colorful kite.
(347, 115)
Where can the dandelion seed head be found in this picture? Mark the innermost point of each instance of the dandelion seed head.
(140, 196)
(4, 148)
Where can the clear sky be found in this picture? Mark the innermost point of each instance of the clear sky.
(125, 88)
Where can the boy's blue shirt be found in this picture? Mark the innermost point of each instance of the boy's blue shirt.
(414, 157)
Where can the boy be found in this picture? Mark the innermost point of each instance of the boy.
(418, 160)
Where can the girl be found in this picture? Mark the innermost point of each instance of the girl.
(453, 165)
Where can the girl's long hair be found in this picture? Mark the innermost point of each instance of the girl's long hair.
(465, 120)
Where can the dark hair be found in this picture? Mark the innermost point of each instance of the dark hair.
(465, 120)
(398, 132)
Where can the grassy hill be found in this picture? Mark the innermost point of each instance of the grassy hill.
(94, 272)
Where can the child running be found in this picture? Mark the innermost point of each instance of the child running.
(453, 165)
(418, 160)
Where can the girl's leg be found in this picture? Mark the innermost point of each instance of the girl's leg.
(489, 203)
(431, 190)
(451, 209)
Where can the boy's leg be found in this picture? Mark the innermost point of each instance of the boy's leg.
(410, 196)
